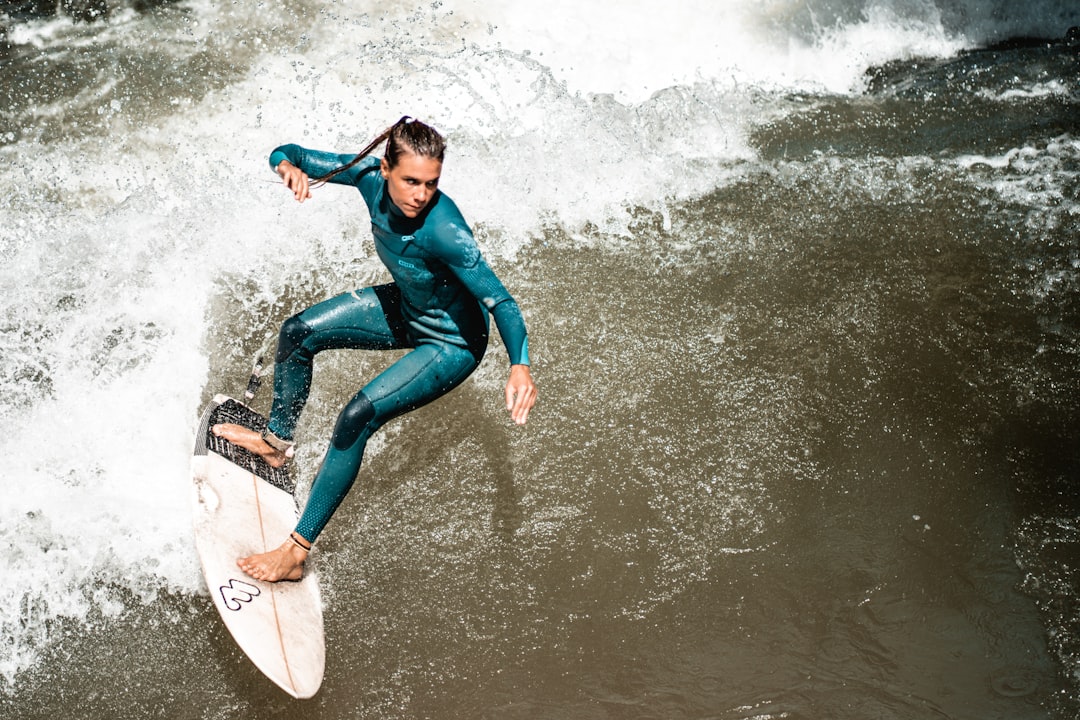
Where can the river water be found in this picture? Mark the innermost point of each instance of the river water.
(802, 281)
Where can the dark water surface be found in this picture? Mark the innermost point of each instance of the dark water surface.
(807, 441)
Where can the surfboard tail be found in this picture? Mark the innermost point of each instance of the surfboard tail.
(242, 506)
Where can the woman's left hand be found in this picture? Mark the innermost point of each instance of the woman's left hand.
(520, 393)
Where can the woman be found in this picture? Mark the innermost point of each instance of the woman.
(438, 306)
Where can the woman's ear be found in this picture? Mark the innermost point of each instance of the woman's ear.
(384, 168)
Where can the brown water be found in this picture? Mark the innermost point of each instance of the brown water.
(805, 449)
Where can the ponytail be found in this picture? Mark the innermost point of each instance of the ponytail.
(406, 135)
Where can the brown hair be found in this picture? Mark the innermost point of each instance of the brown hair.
(406, 135)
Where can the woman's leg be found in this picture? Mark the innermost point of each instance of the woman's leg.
(368, 319)
(365, 319)
(425, 374)
(431, 370)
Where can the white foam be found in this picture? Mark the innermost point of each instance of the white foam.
(1037, 177)
(634, 49)
(1049, 88)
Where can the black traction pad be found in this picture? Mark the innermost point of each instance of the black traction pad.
(236, 413)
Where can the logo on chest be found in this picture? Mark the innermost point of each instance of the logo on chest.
(388, 236)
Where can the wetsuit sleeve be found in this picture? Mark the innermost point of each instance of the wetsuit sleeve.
(485, 287)
(317, 163)
(456, 247)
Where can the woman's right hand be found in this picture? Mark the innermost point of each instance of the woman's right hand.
(295, 179)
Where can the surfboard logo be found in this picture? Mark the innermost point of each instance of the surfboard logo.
(237, 592)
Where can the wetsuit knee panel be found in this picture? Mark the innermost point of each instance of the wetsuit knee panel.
(353, 420)
(294, 332)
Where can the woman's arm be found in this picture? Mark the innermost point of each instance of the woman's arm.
(469, 266)
(297, 166)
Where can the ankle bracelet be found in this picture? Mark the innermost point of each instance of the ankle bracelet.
(298, 540)
(285, 447)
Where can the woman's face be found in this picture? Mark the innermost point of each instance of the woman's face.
(412, 182)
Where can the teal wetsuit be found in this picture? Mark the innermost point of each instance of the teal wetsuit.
(438, 305)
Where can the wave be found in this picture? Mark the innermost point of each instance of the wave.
(140, 210)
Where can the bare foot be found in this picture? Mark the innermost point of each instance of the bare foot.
(252, 441)
(284, 563)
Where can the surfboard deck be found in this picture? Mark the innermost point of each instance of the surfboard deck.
(243, 506)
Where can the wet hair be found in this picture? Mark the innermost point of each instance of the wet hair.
(407, 135)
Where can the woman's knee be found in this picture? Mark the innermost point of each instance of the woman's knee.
(291, 337)
(357, 418)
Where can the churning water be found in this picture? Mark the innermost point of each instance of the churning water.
(803, 287)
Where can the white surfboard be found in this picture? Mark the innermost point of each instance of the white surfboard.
(243, 506)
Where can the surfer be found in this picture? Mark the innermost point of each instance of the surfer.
(438, 306)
